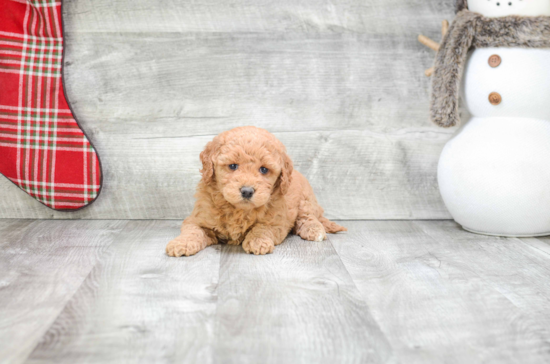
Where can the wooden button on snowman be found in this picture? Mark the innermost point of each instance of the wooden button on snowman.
(494, 174)
(495, 60)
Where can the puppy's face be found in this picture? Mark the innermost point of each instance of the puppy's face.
(246, 176)
(248, 165)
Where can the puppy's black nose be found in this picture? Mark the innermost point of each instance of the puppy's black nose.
(247, 192)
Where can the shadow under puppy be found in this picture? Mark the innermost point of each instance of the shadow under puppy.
(250, 194)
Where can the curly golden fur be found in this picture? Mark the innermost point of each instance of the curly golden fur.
(282, 201)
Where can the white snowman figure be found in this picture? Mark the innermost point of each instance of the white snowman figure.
(494, 174)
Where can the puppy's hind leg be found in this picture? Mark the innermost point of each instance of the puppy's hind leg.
(330, 226)
(311, 224)
(308, 227)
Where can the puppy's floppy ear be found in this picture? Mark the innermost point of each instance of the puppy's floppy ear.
(286, 173)
(207, 157)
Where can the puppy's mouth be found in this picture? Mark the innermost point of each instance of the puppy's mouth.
(246, 203)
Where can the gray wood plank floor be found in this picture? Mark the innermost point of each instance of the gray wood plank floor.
(385, 292)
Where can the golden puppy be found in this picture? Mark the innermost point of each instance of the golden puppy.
(250, 195)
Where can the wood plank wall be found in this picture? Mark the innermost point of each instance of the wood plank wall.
(340, 82)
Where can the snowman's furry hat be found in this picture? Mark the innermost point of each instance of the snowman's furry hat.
(461, 5)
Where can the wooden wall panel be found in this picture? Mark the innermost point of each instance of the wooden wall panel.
(340, 83)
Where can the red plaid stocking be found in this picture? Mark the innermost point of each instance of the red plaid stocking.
(42, 148)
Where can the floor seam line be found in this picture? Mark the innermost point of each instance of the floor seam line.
(73, 294)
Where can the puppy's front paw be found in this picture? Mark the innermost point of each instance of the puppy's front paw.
(178, 248)
(258, 246)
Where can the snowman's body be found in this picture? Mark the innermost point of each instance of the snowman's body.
(494, 174)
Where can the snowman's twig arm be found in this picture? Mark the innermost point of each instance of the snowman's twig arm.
(433, 45)
(444, 28)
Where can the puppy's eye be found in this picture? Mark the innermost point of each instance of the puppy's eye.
(233, 166)
(263, 170)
